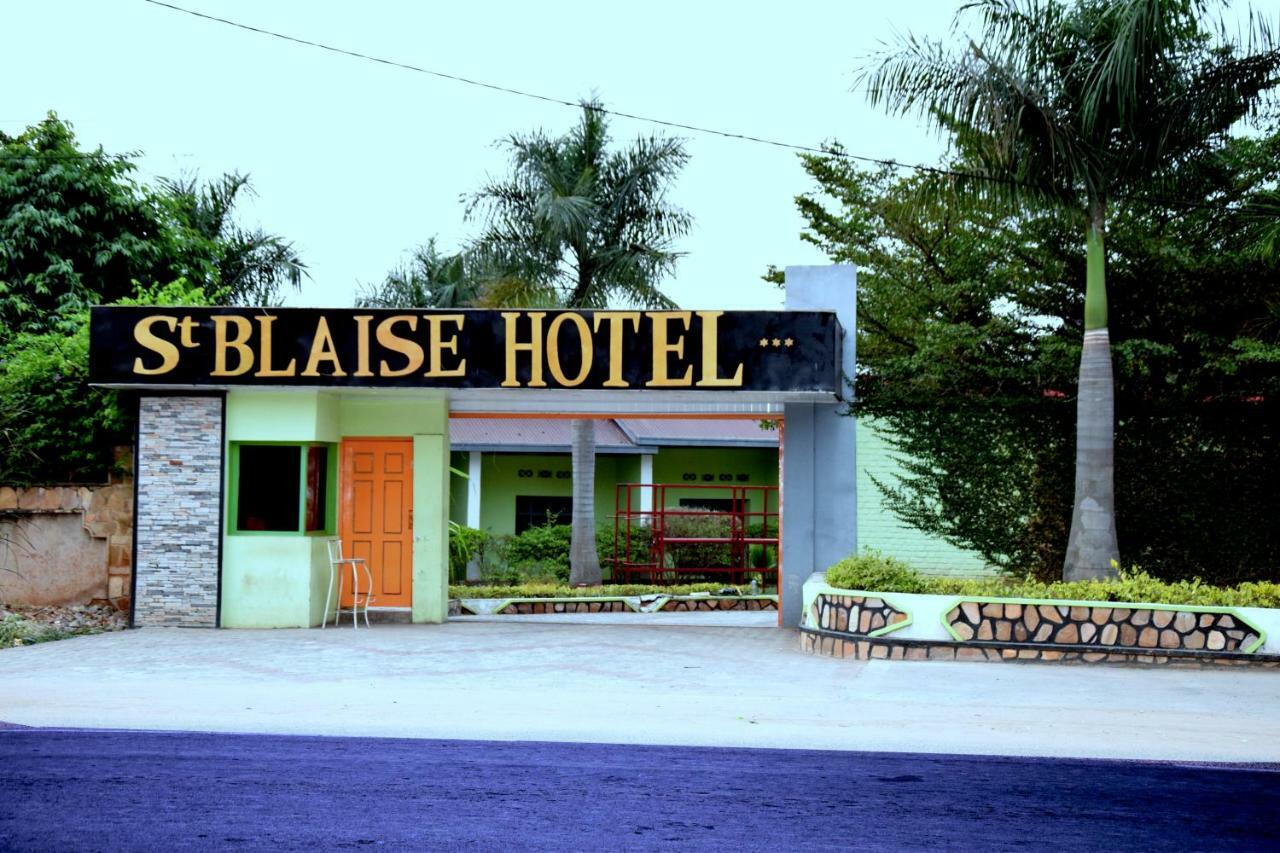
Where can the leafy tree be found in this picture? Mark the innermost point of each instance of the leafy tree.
(1078, 107)
(429, 280)
(55, 428)
(579, 226)
(970, 329)
(75, 228)
(249, 266)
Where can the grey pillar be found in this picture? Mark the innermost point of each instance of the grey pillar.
(178, 526)
(819, 474)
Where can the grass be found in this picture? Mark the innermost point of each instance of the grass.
(557, 590)
(874, 572)
(16, 631)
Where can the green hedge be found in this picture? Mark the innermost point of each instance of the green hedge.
(874, 572)
(549, 590)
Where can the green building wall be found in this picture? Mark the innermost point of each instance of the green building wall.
(880, 529)
(279, 580)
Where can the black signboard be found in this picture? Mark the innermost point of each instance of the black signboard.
(528, 348)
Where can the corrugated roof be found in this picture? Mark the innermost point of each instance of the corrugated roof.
(542, 435)
(699, 432)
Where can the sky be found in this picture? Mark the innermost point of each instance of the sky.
(357, 163)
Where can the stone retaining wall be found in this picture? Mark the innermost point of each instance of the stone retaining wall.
(66, 545)
(855, 614)
(1077, 624)
(702, 604)
(831, 644)
(560, 606)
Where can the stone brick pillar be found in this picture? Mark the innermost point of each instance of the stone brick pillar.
(179, 485)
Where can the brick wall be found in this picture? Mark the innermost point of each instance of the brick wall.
(179, 482)
(880, 529)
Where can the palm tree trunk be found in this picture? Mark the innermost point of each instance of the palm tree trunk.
(1092, 549)
(584, 562)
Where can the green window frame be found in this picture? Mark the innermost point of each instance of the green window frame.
(317, 488)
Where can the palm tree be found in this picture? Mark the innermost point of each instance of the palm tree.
(1080, 106)
(429, 280)
(251, 265)
(578, 226)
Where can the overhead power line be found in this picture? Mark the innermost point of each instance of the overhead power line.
(550, 99)
(838, 153)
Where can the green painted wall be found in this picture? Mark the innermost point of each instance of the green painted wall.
(279, 580)
(879, 528)
(760, 464)
(501, 482)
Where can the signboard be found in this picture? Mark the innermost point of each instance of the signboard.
(527, 348)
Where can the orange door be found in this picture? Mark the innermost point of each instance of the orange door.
(377, 515)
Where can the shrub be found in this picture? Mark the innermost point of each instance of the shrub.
(698, 555)
(546, 546)
(641, 542)
(465, 544)
(874, 572)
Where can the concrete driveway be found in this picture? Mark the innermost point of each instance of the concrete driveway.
(659, 680)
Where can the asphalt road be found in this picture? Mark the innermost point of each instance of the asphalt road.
(73, 790)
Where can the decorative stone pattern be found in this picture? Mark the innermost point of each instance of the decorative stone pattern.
(854, 614)
(179, 480)
(683, 604)
(529, 607)
(891, 648)
(1100, 625)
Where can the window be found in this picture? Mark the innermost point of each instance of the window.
(317, 506)
(535, 511)
(711, 504)
(282, 488)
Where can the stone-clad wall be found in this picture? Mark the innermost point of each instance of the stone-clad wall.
(854, 614)
(1100, 625)
(179, 482)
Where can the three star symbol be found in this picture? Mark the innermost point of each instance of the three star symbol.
(777, 342)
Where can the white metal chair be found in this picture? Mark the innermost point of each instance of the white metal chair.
(337, 565)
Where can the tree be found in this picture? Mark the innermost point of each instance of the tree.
(1079, 107)
(970, 329)
(249, 266)
(578, 226)
(75, 228)
(429, 280)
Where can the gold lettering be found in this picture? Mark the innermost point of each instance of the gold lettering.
(221, 344)
(711, 353)
(406, 347)
(188, 326)
(617, 321)
(362, 345)
(437, 343)
(662, 349)
(553, 348)
(264, 348)
(322, 349)
(534, 348)
(168, 352)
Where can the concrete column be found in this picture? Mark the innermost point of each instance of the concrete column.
(646, 479)
(819, 478)
(473, 489)
(179, 511)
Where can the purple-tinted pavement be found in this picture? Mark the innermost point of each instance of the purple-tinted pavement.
(74, 790)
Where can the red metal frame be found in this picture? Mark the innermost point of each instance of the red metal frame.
(652, 564)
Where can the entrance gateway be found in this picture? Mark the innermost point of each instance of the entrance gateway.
(262, 432)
